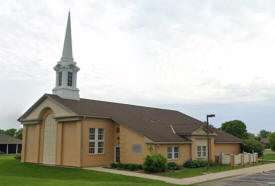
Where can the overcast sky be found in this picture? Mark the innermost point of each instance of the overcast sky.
(198, 57)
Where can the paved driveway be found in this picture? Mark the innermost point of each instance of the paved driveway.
(259, 179)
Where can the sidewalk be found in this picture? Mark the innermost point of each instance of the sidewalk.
(191, 180)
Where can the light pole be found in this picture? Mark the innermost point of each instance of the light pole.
(207, 132)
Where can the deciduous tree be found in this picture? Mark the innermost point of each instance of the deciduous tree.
(271, 140)
(236, 128)
(19, 133)
(264, 133)
(11, 132)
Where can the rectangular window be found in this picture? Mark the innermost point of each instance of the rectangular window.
(201, 151)
(59, 78)
(96, 141)
(70, 79)
(204, 151)
(172, 152)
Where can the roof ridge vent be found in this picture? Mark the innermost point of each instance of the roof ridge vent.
(171, 126)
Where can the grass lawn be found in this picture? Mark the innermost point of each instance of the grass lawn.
(190, 172)
(269, 157)
(268, 151)
(14, 173)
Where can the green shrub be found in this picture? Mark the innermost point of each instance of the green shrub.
(155, 163)
(251, 144)
(173, 166)
(203, 163)
(17, 156)
(195, 164)
(133, 167)
(271, 140)
(120, 166)
(125, 166)
(191, 164)
(113, 165)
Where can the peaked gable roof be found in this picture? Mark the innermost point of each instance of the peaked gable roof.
(159, 125)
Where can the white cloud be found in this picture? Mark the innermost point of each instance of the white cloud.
(141, 52)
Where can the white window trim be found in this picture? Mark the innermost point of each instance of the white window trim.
(96, 140)
(202, 151)
(173, 153)
(70, 81)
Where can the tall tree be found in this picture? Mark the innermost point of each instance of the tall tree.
(11, 132)
(251, 145)
(236, 128)
(271, 141)
(2, 131)
(251, 135)
(19, 133)
(264, 133)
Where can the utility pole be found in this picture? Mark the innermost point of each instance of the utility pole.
(207, 136)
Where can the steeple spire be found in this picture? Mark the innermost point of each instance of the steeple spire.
(66, 69)
(67, 54)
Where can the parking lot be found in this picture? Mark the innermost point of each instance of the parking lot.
(260, 179)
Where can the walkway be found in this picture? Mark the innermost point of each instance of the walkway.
(192, 180)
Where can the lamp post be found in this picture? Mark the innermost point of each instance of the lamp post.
(207, 126)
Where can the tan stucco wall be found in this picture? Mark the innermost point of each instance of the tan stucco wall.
(31, 144)
(127, 139)
(184, 152)
(68, 138)
(33, 135)
(202, 141)
(71, 144)
(98, 159)
(59, 143)
(227, 148)
(71, 137)
(24, 140)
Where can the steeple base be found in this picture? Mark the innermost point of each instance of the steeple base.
(67, 93)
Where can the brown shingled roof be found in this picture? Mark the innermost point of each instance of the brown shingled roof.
(5, 139)
(223, 137)
(264, 140)
(153, 123)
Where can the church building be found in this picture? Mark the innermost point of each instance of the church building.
(63, 129)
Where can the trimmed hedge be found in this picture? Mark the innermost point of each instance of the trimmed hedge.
(155, 163)
(131, 167)
(195, 164)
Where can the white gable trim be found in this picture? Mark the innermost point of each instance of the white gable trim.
(58, 109)
(201, 132)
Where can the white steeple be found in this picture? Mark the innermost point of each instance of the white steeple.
(66, 69)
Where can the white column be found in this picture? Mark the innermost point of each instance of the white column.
(16, 149)
(7, 148)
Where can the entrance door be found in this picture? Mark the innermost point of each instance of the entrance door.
(49, 140)
(117, 154)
